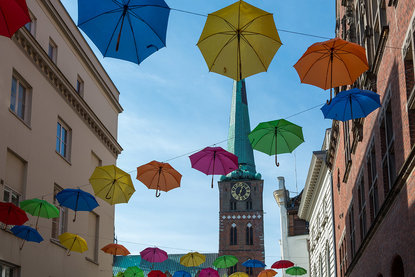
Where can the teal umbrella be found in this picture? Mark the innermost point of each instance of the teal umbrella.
(296, 270)
(276, 137)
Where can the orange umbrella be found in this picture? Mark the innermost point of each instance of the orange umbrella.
(159, 176)
(332, 63)
(267, 273)
(115, 249)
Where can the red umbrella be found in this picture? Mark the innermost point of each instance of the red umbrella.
(156, 273)
(10, 214)
(214, 161)
(282, 264)
(13, 15)
(154, 255)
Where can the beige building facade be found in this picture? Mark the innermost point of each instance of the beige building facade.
(58, 120)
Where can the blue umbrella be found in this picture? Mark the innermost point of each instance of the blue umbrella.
(26, 233)
(77, 200)
(253, 263)
(129, 30)
(351, 104)
(182, 273)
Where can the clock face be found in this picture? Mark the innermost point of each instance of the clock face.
(240, 191)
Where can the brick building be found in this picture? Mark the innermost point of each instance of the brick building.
(372, 160)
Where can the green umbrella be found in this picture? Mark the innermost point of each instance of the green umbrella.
(296, 270)
(39, 208)
(133, 271)
(225, 261)
(276, 137)
(120, 274)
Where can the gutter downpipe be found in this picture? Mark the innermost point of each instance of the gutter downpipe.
(334, 225)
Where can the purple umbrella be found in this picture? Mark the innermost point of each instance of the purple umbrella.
(208, 272)
(153, 255)
(214, 161)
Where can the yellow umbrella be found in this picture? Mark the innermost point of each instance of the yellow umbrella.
(239, 41)
(239, 274)
(192, 259)
(73, 242)
(112, 184)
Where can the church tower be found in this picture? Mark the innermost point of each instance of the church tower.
(241, 221)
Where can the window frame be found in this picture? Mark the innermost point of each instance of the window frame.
(52, 51)
(61, 222)
(67, 151)
(18, 82)
(249, 234)
(352, 230)
(80, 85)
(233, 235)
(31, 26)
(362, 206)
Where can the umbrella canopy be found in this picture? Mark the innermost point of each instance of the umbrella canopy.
(159, 176)
(225, 261)
(73, 242)
(154, 255)
(115, 249)
(351, 104)
(253, 263)
(112, 184)
(77, 200)
(14, 15)
(332, 63)
(267, 273)
(156, 273)
(39, 208)
(208, 272)
(192, 259)
(239, 41)
(133, 271)
(239, 274)
(276, 137)
(214, 161)
(296, 270)
(27, 234)
(10, 214)
(120, 274)
(182, 273)
(129, 30)
(282, 264)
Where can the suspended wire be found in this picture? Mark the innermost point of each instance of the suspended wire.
(188, 12)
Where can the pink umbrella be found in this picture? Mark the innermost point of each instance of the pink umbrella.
(153, 255)
(208, 272)
(214, 161)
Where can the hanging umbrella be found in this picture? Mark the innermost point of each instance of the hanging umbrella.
(77, 200)
(351, 104)
(276, 137)
(192, 259)
(239, 41)
(253, 263)
(214, 161)
(112, 184)
(208, 272)
(332, 63)
(296, 270)
(14, 15)
(282, 264)
(153, 255)
(156, 273)
(133, 271)
(27, 234)
(159, 176)
(39, 208)
(129, 30)
(10, 214)
(182, 273)
(267, 273)
(115, 249)
(120, 274)
(73, 242)
(239, 274)
(225, 261)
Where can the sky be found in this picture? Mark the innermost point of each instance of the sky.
(173, 106)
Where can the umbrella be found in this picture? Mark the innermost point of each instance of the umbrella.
(27, 234)
(192, 259)
(296, 270)
(225, 261)
(10, 214)
(239, 41)
(130, 30)
(133, 271)
(239, 274)
(182, 273)
(120, 274)
(267, 273)
(39, 208)
(115, 249)
(112, 184)
(14, 15)
(154, 255)
(159, 176)
(208, 272)
(282, 264)
(276, 137)
(214, 161)
(351, 104)
(73, 242)
(332, 63)
(77, 200)
(253, 263)
(156, 273)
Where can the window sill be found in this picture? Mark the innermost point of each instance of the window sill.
(91, 260)
(62, 157)
(21, 120)
(57, 242)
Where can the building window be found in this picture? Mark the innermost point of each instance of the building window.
(249, 271)
(249, 234)
(373, 185)
(233, 205)
(352, 231)
(327, 259)
(249, 205)
(234, 235)
(362, 207)
(80, 86)
(63, 139)
(347, 148)
(59, 224)
(8, 270)
(387, 139)
(15, 178)
(31, 26)
(93, 237)
(20, 98)
(53, 51)
(233, 269)
(11, 196)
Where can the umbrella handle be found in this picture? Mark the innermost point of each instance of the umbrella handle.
(74, 218)
(21, 246)
(212, 182)
(158, 193)
(276, 161)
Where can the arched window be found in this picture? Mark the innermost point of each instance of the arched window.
(327, 259)
(397, 269)
(249, 234)
(249, 271)
(234, 235)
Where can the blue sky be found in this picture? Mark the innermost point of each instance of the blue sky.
(173, 106)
